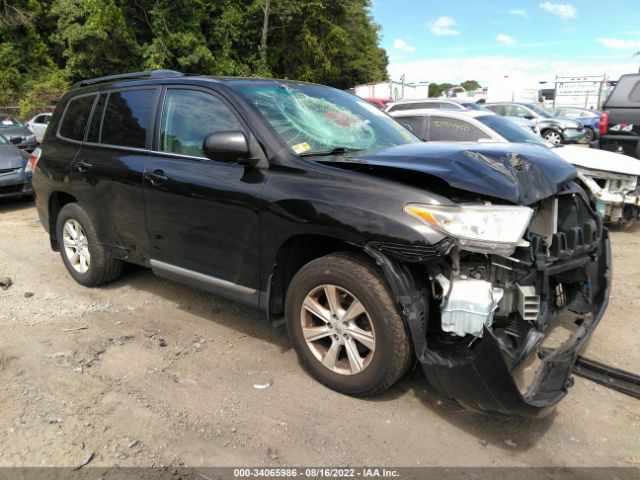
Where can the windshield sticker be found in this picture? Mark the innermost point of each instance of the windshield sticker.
(301, 147)
(451, 125)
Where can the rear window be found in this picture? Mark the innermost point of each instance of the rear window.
(76, 116)
(127, 117)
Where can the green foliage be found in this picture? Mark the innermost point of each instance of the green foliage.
(470, 85)
(47, 44)
(437, 89)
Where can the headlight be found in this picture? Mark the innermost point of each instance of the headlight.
(481, 228)
(30, 138)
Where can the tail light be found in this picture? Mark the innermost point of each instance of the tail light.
(33, 160)
(604, 123)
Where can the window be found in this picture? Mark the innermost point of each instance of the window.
(189, 116)
(454, 130)
(450, 106)
(127, 117)
(516, 111)
(96, 120)
(42, 119)
(499, 109)
(413, 124)
(76, 117)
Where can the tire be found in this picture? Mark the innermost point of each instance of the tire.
(99, 268)
(590, 134)
(354, 280)
(553, 137)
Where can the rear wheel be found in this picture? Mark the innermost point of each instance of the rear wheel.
(84, 256)
(553, 137)
(345, 326)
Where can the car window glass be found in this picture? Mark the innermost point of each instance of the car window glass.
(96, 120)
(3, 141)
(127, 117)
(39, 119)
(449, 106)
(413, 124)
(46, 119)
(499, 109)
(189, 116)
(74, 121)
(454, 130)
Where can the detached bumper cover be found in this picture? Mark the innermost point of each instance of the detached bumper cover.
(479, 377)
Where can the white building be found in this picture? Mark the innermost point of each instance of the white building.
(393, 90)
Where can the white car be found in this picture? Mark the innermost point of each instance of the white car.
(38, 125)
(611, 179)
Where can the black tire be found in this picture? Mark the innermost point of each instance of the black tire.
(392, 354)
(102, 268)
(590, 134)
(550, 132)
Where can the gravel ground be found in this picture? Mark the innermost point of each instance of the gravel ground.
(146, 372)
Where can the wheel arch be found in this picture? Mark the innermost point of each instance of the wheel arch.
(57, 200)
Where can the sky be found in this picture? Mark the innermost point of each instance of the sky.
(453, 41)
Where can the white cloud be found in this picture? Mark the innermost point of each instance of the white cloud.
(618, 43)
(565, 11)
(442, 26)
(519, 12)
(505, 39)
(401, 44)
(485, 68)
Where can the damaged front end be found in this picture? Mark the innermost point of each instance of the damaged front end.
(479, 312)
(616, 196)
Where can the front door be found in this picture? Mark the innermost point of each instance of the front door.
(202, 214)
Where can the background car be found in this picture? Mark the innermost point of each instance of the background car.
(610, 179)
(15, 173)
(38, 125)
(15, 132)
(554, 130)
(620, 120)
(589, 118)
(381, 103)
(434, 103)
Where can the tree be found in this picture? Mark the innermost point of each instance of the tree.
(470, 85)
(95, 38)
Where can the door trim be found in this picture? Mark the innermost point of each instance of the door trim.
(215, 285)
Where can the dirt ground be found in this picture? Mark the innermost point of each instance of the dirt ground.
(146, 372)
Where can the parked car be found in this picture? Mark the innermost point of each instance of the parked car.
(18, 134)
(376, 249)
(557, 131)
(620, 121)
(435, 103)
(610, 179)
(381, 103)
(15, 171)
(38, 125)
(589, 118)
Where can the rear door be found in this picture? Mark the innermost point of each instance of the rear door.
(202, 214)
(106, 176)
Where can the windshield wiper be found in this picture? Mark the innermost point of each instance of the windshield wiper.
(335, 151)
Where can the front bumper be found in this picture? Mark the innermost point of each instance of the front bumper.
(571, 135)
(479, 376)
(15, 184)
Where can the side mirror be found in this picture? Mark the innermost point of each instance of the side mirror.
(529, 117)
(230, 147)
(15, 140)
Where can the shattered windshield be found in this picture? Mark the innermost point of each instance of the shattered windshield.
(313, 119)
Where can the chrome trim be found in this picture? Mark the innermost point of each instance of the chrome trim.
(201, 277)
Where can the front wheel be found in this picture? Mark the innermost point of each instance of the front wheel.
(553, 137)
(345, 327)
(590, 134)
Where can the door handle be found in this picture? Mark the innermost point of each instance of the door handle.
(157, 177)
(83, 166)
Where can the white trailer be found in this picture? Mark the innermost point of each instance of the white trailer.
(393, 90)
(582, 92)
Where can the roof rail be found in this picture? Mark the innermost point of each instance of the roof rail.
(129, 76)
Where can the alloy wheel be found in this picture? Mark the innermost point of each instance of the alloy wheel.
(337, 329)
(76, 246)
(553, 137)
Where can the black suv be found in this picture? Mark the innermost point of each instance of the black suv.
(376, 249)
(620, 121)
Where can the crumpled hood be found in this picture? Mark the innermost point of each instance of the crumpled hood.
(596, 159)
(519, 173)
